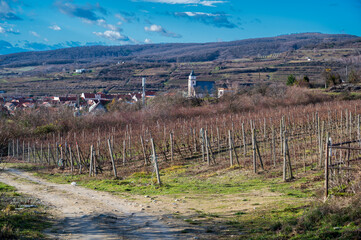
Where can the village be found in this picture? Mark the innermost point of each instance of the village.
(92, 102)
(96, 102)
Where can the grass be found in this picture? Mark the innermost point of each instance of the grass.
(17, 222)
(25, 166)
(321, 221)
(291, 214)
(180, 180)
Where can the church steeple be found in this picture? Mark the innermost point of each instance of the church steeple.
(191, 84)
(192, 74)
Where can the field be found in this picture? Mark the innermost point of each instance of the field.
(126, 77)
(255, 173)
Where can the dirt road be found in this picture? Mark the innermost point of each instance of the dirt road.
(88, 214)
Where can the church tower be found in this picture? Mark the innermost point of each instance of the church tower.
(191, 84)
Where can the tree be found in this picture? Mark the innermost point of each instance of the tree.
(306, 79)
(331, 78)
(291, 80)
(354, 77)
(304, 82)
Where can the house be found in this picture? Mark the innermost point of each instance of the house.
(67, 100)
(82, 70)
(137, 96)
(150, 94)
(97, 96)
(10, 106)
(222, 91)
(28, 105)
(97, 108)
(200, 89)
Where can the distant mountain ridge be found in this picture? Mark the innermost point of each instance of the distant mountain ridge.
(180, 52)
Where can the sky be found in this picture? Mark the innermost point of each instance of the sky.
(28, 25)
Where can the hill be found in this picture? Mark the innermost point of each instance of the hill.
(180, 52)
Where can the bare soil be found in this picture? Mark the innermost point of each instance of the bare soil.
(81, 213)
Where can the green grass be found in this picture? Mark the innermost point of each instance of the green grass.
(17, 223)
(321, 221)
(179, 180)
(26, 166)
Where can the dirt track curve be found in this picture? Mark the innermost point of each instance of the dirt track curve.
(88, 214)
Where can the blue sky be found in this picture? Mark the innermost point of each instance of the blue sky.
(42, 24)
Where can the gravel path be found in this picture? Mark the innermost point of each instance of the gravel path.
(88, 214)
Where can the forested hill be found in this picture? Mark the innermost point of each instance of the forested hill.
(181, 52)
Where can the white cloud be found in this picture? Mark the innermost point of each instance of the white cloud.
(112, 35)
(194, 14)
(147, 40)
(8, 28)
(195, 2)
(215, 19)
(35, 34)
(104, 24)
(154, 28)
(55, 27)
(161, 30)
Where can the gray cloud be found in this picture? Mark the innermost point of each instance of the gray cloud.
(6, 12)
(162, 31)
(219, 20)
(94, 43)
(36, 46)
(7, 48)
(86, 12)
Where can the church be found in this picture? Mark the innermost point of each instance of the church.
(200, 89)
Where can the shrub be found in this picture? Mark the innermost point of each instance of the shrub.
(332, 78)
(291, 80)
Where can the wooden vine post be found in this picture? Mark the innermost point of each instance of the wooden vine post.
(254, 151)
(287, 167)
(230, 148)
(124, 151)
(206, 146)
(143, 151)
(23, 151)
(71, 161)
(328, 155)
(155, 162)
(91, 161)
(79, 159)
(112, 158)
(244, 142)
(201, 132)
(171, 147)
(273, 146)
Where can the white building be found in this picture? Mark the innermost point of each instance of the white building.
(200, 89)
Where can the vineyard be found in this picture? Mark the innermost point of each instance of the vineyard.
(277, 142)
